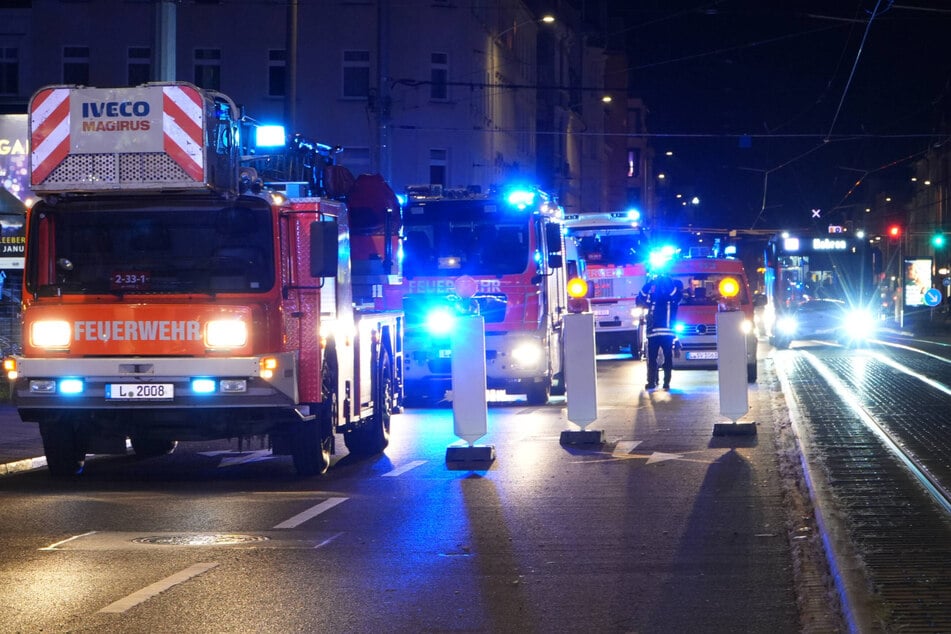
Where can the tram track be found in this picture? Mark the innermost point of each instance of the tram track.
(877, 449)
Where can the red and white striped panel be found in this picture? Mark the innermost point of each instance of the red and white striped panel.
(183, 128)
(49, 132)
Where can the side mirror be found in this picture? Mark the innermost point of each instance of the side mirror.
(323, 248)
(555, 261)
(553, 237)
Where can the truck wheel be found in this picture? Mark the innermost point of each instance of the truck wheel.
(311, 450)
(152, 447)
(538, 393)
(313, 440)
(373, 436)
(636, 350)
(64, 447)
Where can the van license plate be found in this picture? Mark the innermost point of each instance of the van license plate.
(707, 356)
(140, 391)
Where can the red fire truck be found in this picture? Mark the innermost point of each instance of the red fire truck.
(508, 246)
(163, 304)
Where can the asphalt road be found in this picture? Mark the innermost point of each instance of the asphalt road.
(663, 528)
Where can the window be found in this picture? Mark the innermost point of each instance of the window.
(633, 163)
(276, 73)
(140, 65)
(76, 65)
(9, 71)
(438, 167)
(356, 74)
(439, 77)
(208, 68)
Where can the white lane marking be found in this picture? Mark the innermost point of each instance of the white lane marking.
(66, 541)
(146, 593)
(401, 470)
(310, 513)
(624, 447)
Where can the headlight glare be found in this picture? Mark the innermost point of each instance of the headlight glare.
(226, 333)
(50, 334)
(527, 354)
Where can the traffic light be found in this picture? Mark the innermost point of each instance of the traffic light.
(894, 231)
(938, 240)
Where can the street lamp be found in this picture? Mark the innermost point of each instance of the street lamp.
(545, 19)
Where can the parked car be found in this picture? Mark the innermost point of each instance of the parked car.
(824, 319)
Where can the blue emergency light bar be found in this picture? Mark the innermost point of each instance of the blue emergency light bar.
(270, 136)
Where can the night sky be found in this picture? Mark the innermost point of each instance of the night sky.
(739, 89)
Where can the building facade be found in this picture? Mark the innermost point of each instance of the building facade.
(423, 91)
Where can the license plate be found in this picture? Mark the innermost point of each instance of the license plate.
(702, 355)
(140, 391)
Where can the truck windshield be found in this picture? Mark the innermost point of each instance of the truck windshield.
(609, 248)
(464, 237)
(201, 245)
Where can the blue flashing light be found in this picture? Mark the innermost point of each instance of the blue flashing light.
(71, 386)
(270, 136)
(679, 327)
(440, 321)
(729, 250)
(634, 215)
(521, 198)
(203, 386)
(402, 199)
(660, 258)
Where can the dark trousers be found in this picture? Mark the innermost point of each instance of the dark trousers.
(655, 343)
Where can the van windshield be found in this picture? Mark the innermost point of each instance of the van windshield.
(702, 289)
(110, 246)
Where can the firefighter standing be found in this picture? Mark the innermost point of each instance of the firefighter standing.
(661, 295)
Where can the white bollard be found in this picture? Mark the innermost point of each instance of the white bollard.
(469, 395)
(581, 378)
(731, 369)
(581, 374)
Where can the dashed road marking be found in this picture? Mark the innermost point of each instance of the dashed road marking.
(311, 513)
(406, 467)
(146, 593)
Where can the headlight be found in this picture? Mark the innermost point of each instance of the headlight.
(50, 334)
(859, 324)
(440, 321)
(527, 354)
(226, 334)
(786, 325)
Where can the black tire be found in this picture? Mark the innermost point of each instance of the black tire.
(145, 447)
(636, 350)
(373, 436)
(538, 393)
(313, 439)
(65, 448)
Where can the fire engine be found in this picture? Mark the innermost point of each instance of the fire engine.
(168, 296)
(507, 247)
(608, 249)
